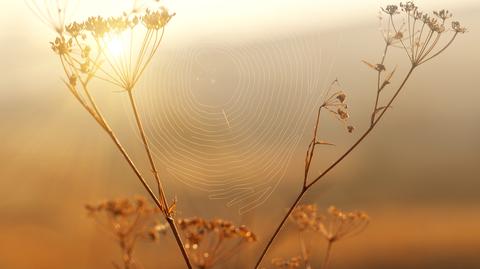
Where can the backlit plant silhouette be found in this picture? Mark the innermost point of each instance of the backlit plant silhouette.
(128, 221)
(119, 49)
(422, 37)
(333, 226)
(116, 50)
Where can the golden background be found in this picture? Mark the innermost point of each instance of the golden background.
(417, 175)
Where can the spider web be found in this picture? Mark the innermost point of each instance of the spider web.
(227, 119)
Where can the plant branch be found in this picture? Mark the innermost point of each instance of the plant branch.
(335, 163)
(165, 206)
(279, 227)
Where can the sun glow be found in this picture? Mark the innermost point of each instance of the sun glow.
(116, 46)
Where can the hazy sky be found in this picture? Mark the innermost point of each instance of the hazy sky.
(244, 19)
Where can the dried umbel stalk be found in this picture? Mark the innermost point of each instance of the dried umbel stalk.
(336, 225)
(333, 226)
(210, 242)
(422, 37)
(305, 218)
(128, 221)
(117, 50)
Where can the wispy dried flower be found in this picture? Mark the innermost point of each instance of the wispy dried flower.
(443, 14)
(335, 103)
(423, 39)
(458, 28)
(61, 46)
(112, 40)
(391, 10)
(305, 217)
(408, 6)
(337, 224)
(155, 20)
(128, 220)
(209, 242)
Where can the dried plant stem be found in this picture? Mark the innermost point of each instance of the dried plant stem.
(93, 110)
(126, 253)
(379, 86)
(279, 227)
(306, 186)
(166, 207)
(327, 254)
(305, 253)
(141, 130)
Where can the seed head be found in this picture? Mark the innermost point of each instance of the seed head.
(337, 224)
(458, 28)
(391, 10)
(209, 241)
(408, 6)
(156, 19)
(443, 14)
(305, 217)
(61, 46)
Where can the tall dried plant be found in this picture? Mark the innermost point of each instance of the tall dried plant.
(86, 51)
(420, 36)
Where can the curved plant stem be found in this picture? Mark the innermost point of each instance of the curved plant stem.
(166, 207)
(97, 115)
(279, 227)
(335, 163)
(141, 130)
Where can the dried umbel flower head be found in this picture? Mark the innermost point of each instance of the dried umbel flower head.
(443, 14)
(209, 242)
(305, 217)
(336, 103)
(124, 217)
(425, 37)
(128, 220)
(390, 9)
(337, 224)
(114, 49)
(408, 7)
(292, 263)
(458, 28)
